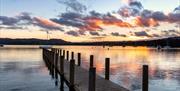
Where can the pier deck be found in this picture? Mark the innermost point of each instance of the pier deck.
(81, 75)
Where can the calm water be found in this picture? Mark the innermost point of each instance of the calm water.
(126, 65)
(22, 69)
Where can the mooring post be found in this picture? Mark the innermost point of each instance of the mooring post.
(67, 55)
(92, 79)
(64, 53)
(145, 78)
(107, 68)
(91, 61)
(79, 59)
(60, 52)
(72, 71)
(72, 55)
(55, 50)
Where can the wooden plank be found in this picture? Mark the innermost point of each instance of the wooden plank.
(82, 76)
(81, 80)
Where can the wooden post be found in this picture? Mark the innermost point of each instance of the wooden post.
(72, 71)
(107, 68)
(91, 61)
(55, 50)
(92, 79)
(60, 52)
(67, 55)
(79, 59)
(72, 55)
(145, 78)
(64, 53)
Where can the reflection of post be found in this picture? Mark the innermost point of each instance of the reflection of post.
(56, 66)
(79, 59)
(72, 73)
(91, 61)
(62, 83)
(92, 79)
(67, 55)
(53, 58)
(64, 53)
(62, 72)
(145, 78)
(107, 63)
(72, 55)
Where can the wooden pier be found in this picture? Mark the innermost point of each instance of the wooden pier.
(63, 68)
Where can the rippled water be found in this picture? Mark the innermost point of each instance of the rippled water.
(22, 69)
(126, 65)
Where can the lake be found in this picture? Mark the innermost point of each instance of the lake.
(22, 68)
(126, 65)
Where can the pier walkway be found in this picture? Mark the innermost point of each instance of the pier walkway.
(76, 77)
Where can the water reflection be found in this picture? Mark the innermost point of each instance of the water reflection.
(126, 65)
(24, 70)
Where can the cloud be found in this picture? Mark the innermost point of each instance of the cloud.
(144, 17)
(177, 9)
(170, 33)
(117, 34)
(94, 33)
(4, 20)
(73, 33)
(141, 34)
(155, 35)
(160, 16)
(97, 37)
(73, 5)
(11, 27)
(69, 19)
(94, 13)
(145, 22)
(24, 16)
(47, 24)
(174, 17)
(133, 8)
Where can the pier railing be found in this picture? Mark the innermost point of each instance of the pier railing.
(64, 70)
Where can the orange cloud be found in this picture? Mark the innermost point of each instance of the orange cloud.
(139, 21)
(46, 22)
(93, 23)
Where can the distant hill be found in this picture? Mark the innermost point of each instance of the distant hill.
(7, 41)
(172, 42)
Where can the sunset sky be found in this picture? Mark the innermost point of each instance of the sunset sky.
(90, 20)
